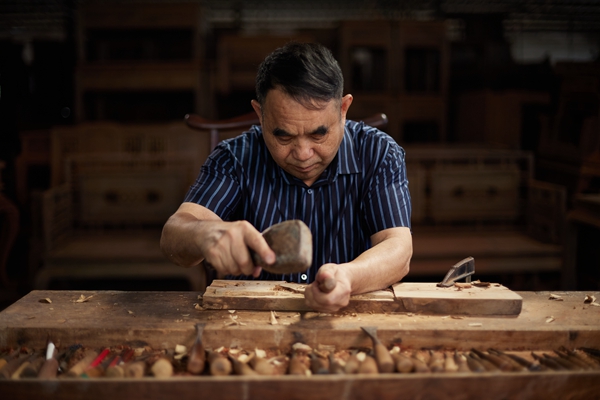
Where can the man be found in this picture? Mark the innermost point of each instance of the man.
(345, 180)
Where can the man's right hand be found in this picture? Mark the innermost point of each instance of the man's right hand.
(225, 247)
(194, 234)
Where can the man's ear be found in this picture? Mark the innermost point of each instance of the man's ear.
(346, 101)
(257, 110)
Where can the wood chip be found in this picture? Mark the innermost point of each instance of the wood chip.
(550, 319)
(478, 283)
(589, 299)
(130, 312)
(260, 353)
(301, 347)
(231, 311)
(463, 285)
(476, 324)
(180, 349)
(82, 299)
(46, 300)
(555, 297)
(456, 317)
(273, 318)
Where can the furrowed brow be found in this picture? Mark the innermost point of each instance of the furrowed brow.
(320, 130)
(280, 132)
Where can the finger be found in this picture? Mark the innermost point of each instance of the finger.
(255, 241)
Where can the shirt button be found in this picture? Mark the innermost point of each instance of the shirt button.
(309, 191)
(304, 277)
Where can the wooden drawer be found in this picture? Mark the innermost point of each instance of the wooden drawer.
(465, 193)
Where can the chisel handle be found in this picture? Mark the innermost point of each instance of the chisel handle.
(327, 285)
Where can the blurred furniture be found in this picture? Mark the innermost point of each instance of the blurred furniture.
(476, 202)
(113, 188)
(32, 166)
(495, 117)
(238, 58)
(9, 228)
(585, 213)
(400, 68)
(139, 61)
(219, 129)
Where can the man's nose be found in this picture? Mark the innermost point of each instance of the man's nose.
(303, 149)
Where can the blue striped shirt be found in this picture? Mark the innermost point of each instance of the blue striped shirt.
(363, 191)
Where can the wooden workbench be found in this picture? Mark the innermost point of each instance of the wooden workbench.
(164, 319)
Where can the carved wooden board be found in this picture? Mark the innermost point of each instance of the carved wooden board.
(283, 296)
(424, 298)
(428, 298)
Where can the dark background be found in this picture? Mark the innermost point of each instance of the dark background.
(494, 46)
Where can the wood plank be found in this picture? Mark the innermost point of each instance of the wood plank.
(428, 298)
(164, 319)
(283, 296)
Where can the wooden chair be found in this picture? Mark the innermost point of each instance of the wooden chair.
(245, 121)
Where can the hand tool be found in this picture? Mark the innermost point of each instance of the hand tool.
(403, 363)
(241, 368)
(219, 364)
(336, 366)
(385, 363)
(449, 363)
(262, 366)
(162, 368)
(292, 243)
(462, 269)
(419, 362)
(81, 366)
(461, 362)
(474, 363)
(368, 365)
(352, 364)
(49, 368)
(436, 362)
(197, 357)
(500, 363)
(318, 365)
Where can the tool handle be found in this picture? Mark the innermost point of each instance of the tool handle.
(327, 285)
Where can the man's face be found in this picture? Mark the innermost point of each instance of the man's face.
(302, 141)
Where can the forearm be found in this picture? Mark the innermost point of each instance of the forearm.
(179, 239)
(382, 265)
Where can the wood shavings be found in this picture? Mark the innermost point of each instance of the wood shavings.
(180, 349)
(233, 352)
(589, 299)
(294, 289)
(244, 358)
(46, 300)
(555, 297)
(233, 321)
(476, 324)
(130, 312)
(301, 347)
(178, 321)
(231, 311)
(82, 299)
(445, 316)
(456, 317)
(198, 307)
(185, 315)
(463, 285)
(260, 353)
(138, 351)
(549, 319)
(478, 283)
(273, 318)
(361, 356)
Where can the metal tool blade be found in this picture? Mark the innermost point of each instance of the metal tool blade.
(462, 269)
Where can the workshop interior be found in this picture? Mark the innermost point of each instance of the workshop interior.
(495, 102)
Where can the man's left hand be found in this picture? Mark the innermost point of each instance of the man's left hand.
(320, 296)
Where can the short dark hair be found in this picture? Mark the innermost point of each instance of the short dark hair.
(304, 71)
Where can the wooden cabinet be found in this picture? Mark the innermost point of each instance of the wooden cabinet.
(141, 62)
(402, 68)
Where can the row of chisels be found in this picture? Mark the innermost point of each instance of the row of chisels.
(139, 360)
